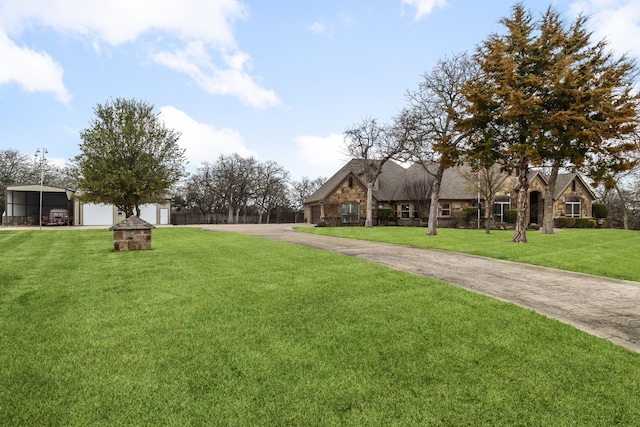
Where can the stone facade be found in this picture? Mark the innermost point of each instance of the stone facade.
(132, 234)
(349, 191)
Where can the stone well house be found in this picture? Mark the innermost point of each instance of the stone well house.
(342, 199)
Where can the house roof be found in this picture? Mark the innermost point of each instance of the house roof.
(455, 185)
(389, 181)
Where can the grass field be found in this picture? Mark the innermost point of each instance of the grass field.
(223, 329)
(603, 252)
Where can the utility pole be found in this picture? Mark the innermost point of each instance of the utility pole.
(41, 152)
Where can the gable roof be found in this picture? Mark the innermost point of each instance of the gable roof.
(389, 181)
(455, 183)
(565, 179)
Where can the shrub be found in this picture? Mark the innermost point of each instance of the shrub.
(472, 214)
(565, 222)
(321, 224)
(585, 223)
(533, 226)
(384, 214)
(424, 224)
(510, 216)
(599, 210)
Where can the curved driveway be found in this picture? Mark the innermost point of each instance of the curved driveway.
(603, 307)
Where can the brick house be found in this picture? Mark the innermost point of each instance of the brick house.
(342, 199)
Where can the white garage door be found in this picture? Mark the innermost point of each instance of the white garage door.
(95, 214)
(148, 213)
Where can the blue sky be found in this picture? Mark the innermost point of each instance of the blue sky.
(279, 80)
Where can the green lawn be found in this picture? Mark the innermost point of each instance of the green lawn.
(603, 252)
(223, 329)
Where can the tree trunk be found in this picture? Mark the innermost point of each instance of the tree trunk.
(625, 211)
(435, 196)
(520, 235)
(547, 220)
(369, 221)
(230, 215)
(488, 216)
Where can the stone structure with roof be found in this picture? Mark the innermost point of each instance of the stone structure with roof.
(132, 234)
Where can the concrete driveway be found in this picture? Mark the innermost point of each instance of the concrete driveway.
(606, 308)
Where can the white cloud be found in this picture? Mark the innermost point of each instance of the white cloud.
(318, 28)
(33, 71)
(203, 142)
(120, 21)
(205, 24)
(617, 21)
(424, 7)
(323, 155)
(196, 62)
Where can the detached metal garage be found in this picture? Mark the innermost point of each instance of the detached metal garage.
(22, 203)
(22, 207)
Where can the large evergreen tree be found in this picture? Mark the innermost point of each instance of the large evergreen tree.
(547, 96)
(128, 157)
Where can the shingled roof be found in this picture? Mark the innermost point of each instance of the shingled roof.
(132, 223)
(455, 182)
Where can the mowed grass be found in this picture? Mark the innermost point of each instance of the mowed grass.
(223, 329)
(602, 252)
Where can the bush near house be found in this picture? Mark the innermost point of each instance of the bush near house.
(510, 216)
(384, 215)
(599, 211)
(565, 222)
(585, 223)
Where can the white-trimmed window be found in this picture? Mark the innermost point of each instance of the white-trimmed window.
(572, 205)
(404, 211)
(445, 209)
(500, 205)
(350, 212)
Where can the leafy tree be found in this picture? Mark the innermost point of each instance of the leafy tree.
(547, 96)
(373, 145)
(589, 106)
(427, 125)
(505, 106)
(128, 157)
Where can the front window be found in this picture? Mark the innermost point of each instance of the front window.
(500, 205)
(350, 212)
(404, 211)
(446, 209)
(572, 207)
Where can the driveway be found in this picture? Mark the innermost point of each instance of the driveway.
(606, 308)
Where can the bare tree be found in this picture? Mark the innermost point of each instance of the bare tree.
(201, 192)
(418, 191)
(373, 145)
(303, 189)
(235, 180)
(270, 187)
(487, 180)
(428, 123)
